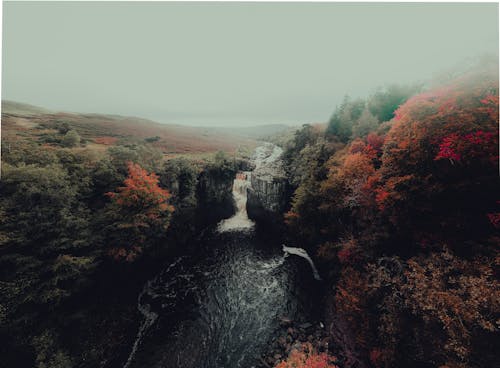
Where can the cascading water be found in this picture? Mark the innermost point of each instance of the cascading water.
(302, 253)
(220, 307)
(240, 220)
(149, 318)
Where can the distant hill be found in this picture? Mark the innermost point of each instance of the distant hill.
(23, 121)
(19, 108)
(261, 132)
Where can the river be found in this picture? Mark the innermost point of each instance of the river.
(222, 306)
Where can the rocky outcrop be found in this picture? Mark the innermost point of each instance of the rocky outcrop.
(215, 194)
(268, 194)
(291, 336)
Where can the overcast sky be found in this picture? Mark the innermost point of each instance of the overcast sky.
(229, 63)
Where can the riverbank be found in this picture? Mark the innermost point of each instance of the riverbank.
(291, 336)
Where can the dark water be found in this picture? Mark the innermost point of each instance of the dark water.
(221, 307)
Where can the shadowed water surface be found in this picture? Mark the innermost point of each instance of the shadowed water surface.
(220, 311)
(221, 306)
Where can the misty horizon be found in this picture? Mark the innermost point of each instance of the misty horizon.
(236, 64)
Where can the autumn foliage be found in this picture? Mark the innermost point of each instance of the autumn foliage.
(144, 208)
(406, 223)
(458, 121)
(305, 356)
(464, 148)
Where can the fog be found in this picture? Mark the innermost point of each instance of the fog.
(231, 64)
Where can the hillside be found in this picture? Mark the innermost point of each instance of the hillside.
(22, 121)
(12, 107)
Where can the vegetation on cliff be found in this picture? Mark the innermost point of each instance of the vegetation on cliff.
(80, 227)
(398, 199)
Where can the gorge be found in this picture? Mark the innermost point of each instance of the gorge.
(220, 306)
(370, 241)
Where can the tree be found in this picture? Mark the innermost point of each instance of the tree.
(295, 153)
(456, 296)
(62, 126)
(440, 160)
(71, 139)
(42, 218)
(309, 161)
(365, 124)
(344, 117)
(146, 156)
(383, 103)
(221, 158)
(27, 152)
(180, 176)
(345, 194)
(48, 355)
(140, 210)
(42, 208)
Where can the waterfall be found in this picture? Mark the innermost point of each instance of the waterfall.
(240, 220)
(302, 253)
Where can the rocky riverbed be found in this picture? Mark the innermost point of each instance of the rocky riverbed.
(291, 335)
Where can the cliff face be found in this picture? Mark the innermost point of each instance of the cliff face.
(214, 194)
(200, 198)
(268, 195)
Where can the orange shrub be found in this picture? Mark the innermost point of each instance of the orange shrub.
(307, 357)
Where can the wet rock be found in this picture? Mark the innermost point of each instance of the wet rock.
(305, 326)
(284, 322)
(323, 344)
(214, 195)
(264, 363)
(282, 341)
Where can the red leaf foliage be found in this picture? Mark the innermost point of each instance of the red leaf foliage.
(307, 357)
(141, 204)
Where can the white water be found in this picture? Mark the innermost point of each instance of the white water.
(149, 318)
(266, 154)
(240, 220)
(302, 253)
